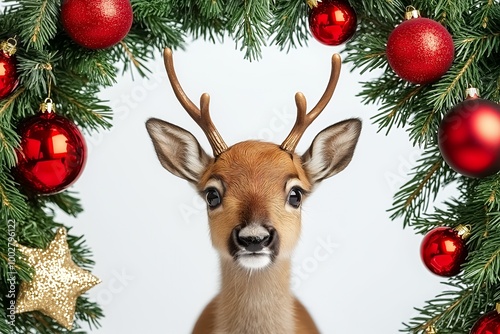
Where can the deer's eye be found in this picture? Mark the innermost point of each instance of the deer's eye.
(295, 197)
(213, 198)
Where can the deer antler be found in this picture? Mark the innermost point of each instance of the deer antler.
(305, 119)
(200, 116)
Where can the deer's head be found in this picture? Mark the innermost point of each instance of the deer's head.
(254, 190)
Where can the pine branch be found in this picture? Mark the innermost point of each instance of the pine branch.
(414, 197)
(9, 139)
(88, 312)
(35, 69)
(37, 21)
(82, 106)
(249, 25)
(446, 311)
(289, 24)
(133, 59)
(13, 202)
(484, 262)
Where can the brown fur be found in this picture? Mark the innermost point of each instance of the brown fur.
(258, 188)
(260, 301)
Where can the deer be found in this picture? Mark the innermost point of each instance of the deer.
(254, 192)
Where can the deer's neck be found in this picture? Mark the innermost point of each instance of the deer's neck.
(257, 302)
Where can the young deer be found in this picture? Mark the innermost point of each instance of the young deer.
(254, 192)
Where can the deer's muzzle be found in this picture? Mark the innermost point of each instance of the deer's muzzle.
(254, 245)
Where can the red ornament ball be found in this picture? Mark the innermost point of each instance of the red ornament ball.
(487, 324)
(469, 138)
(52, 153)
(443, 251)
(420, 50)
(96, 24)
(333, 22)
(8, 71)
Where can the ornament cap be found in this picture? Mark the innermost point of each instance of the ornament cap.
(47, 106)
(312, 3)
(9, 46)
(464, 231)
(497, 308)
(472, 93)
(411, 13)
(430, 330)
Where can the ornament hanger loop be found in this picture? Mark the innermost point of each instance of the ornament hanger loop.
(464, 231)
(411, 13)
(9, 46)
(12, 40)
(47, 106)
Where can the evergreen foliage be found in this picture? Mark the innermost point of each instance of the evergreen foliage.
(475, 27)
(47, 56)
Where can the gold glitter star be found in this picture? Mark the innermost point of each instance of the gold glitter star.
(57, 281)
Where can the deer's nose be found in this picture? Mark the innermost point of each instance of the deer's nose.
(252, 238)
(254, 243)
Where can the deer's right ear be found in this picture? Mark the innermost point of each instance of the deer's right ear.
(178, 150)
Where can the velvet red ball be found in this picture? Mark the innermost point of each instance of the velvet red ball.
(96, 24)
(487, 324)
(443, 251)
(52, 153)
(420, 50)
(469, 138)
(333, 22)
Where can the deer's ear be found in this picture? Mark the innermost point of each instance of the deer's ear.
(331, 150)
(178, 150)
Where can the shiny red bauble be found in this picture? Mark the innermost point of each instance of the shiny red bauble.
(333, 22)
(487, 324)
(52, 153)
(443, 251)
(469, 138)
(96, 24)
(8, 69)
(420, 50)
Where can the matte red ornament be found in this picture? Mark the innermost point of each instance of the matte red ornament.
(52, 153)
(443, 250)
(333, 22)
(420, 50)
(8, 67)
(96, 24)
(469, 137)
(488, 323)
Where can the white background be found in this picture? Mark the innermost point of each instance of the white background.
(148, 229)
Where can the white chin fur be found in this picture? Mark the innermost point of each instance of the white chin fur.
(254, 261)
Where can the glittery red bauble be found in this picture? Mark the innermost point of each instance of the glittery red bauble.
(52, 153)
(8, 74)
(333, 22)
(420, 50)
(469, 138)
(487, 324)
(96, 24)
(443, 251)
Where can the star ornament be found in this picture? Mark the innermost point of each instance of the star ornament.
(57, 281)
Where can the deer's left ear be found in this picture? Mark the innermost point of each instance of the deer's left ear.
(331, 150)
